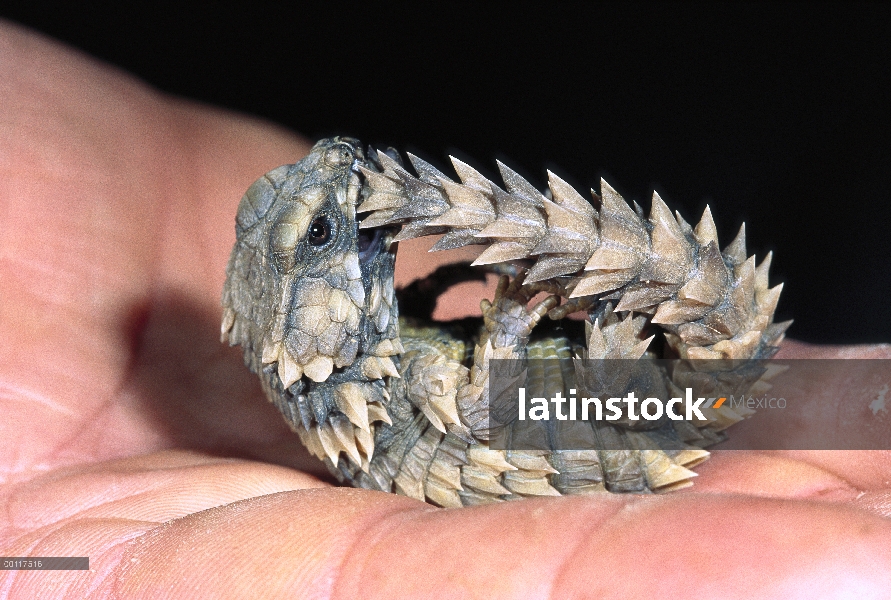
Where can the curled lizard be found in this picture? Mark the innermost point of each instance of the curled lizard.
(399, 405)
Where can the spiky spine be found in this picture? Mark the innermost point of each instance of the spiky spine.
(711, 304)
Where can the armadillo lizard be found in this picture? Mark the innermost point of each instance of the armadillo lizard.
(396, 405)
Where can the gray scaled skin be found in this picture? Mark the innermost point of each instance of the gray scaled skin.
(401, 406)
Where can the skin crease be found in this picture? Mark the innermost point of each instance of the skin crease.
(131, 435)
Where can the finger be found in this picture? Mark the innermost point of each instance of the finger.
(862, 470)
(155, 487)
(169, 524)
(347, 544)
(770, 474)
(97, 510)
(867, 470)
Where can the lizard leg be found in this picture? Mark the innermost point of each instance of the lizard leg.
(508, 322)
(508, 319)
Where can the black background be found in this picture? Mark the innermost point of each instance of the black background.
(776, 115)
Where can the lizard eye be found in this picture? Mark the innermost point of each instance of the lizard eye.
(319, 231)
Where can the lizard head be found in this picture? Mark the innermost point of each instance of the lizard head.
(307, 291)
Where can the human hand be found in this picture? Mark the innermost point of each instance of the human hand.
(131, 435)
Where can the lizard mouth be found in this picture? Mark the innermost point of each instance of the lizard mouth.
(370, 240)
(369, 243)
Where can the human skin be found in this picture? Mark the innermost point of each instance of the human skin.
(132, 436)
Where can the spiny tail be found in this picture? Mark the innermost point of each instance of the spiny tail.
(712, 304)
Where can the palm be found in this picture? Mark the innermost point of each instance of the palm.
(120, 404)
